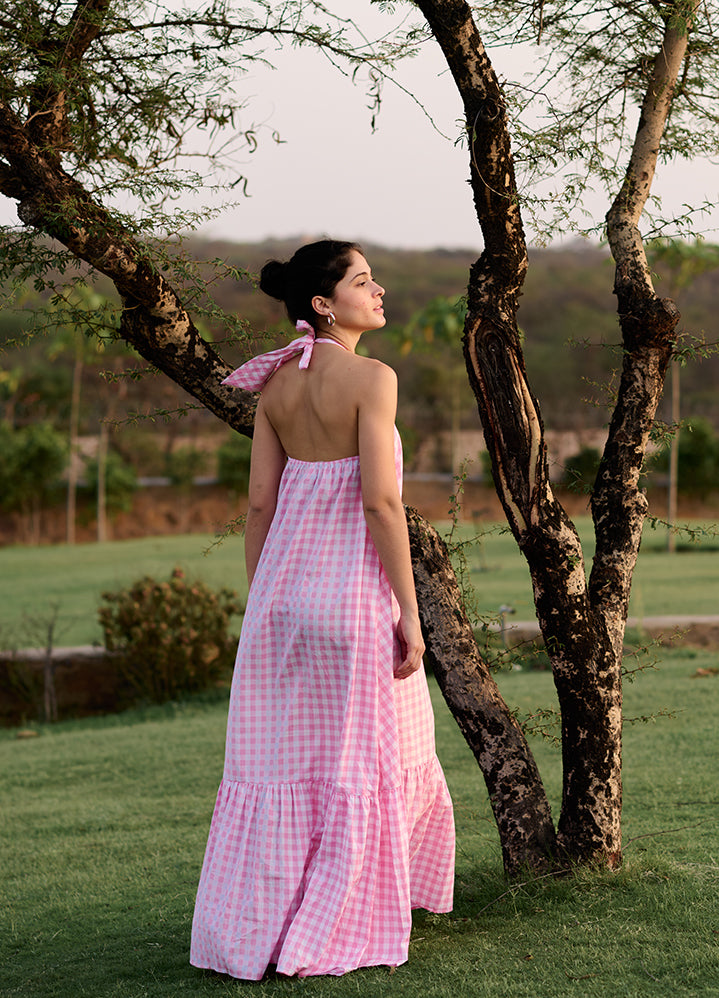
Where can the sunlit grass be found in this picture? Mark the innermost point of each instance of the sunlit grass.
(33, 580)
(104, 823)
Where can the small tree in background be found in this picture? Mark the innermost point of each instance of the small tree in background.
(32, 460)
(684, 262)
(120, 482)
(697, 459)
(233, 463)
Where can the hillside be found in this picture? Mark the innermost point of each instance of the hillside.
(567, 318)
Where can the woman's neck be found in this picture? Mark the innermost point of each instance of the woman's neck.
(348, 341)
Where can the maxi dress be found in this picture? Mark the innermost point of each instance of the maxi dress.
(333, 818)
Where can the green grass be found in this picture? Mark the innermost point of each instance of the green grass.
(500, 576)
(32, 580)
(104, 822)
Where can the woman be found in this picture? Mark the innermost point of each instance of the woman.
(333, 819)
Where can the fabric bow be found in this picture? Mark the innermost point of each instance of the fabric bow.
(254, 375)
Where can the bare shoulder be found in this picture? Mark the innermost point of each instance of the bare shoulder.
(374, 377)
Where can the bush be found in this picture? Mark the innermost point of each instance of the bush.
(120, 482)
(698, 470)
(580, 470)
(172, 637)
(233, 463)
(32, 460)
(183, 465)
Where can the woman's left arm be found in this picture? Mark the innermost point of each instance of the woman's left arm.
(266, 467)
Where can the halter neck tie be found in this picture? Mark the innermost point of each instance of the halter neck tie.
(254, 375)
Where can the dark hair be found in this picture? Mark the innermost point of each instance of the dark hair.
(315, 269)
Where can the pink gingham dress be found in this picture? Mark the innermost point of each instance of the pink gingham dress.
(333, 819)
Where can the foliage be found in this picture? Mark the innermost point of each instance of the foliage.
(32, 459)
(233, 463)
(485, 462)
(685, 261)
(698, 465)
(570, 345)
(581, 469)
(171, 637)
(120, 482)
(575, 110)
(39, 390)
(128, 94)
(183, 465)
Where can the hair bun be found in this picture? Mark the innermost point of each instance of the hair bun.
(273, 279)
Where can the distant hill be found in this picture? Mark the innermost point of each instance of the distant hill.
(567, 317)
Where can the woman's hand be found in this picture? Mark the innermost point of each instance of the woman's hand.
(411, 643)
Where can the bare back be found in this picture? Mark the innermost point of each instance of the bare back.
(315, 412)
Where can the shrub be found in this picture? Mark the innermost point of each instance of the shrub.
(698, 470)
(580, 470)
(233, 463)
(183, 465)
(120, 482)
(171, 637)
(32, 460)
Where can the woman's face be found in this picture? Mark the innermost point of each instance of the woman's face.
(357, 300)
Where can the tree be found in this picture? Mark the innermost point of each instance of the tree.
(79, 115)
(32, 459)
(440, 322)
(685, 263)
(697, 458)
(85, 328)
(582, 620)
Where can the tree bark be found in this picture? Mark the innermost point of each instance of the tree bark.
(154, 321)
(516, 793)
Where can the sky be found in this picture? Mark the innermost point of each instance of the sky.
(404, 185)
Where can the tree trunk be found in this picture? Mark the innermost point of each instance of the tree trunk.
(102, 447)
(673, 483)
(516, 793)
(74, 456)
(582, 624)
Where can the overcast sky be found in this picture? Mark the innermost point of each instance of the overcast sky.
(405, 185)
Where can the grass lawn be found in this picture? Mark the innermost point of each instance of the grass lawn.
(500, 576)
(104, 821)
(32, 580)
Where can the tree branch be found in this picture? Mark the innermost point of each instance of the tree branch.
(623, 217)
(47, 120)
(154, 321)
(648, 323)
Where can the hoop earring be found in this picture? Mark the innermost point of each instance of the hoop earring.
(331, 319)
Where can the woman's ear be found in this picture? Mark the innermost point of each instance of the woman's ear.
(321, 306)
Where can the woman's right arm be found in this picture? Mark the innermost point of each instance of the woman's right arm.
(266, 466)
(383, 507)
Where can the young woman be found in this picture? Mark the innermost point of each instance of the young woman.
(333, 818)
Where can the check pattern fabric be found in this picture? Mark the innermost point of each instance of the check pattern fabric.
(333, 818)
(256, 372)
